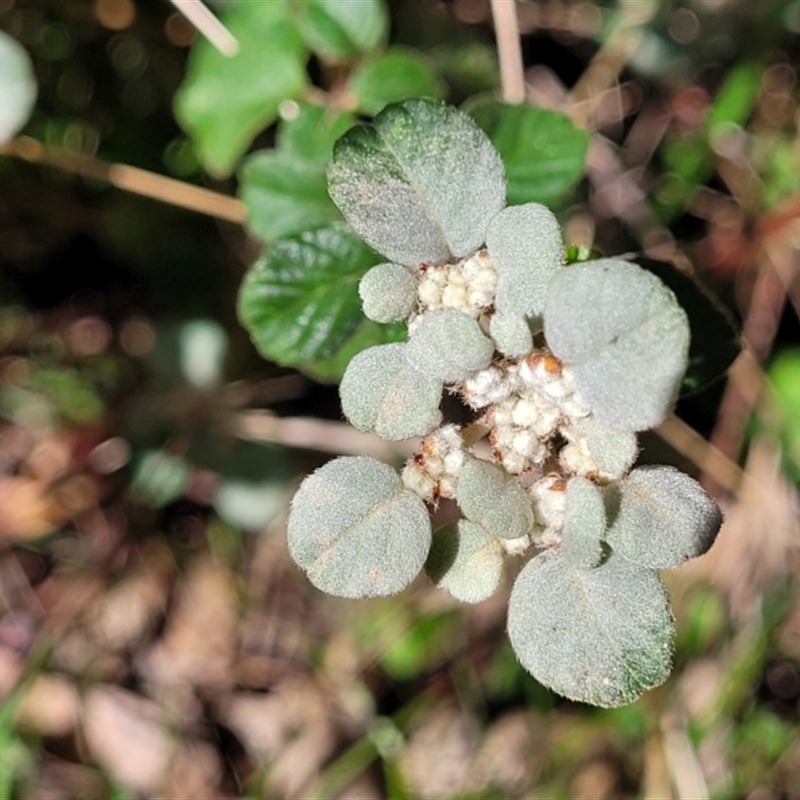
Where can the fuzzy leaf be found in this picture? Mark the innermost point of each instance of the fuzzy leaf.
(356, 531)
(542, 150)
(526, 247)
(388, 293)
(625, 336)
(447, 344)
(488, 495)
(339, 31)
(584, 524)
(17, 87)
(420, 184)
(660, 517)
(465, 560)
(511, 333)
(382, 392)
(225, 101)
(396, 74)
(612, 450)
(284, 195)
(299, 301)
(601, 636)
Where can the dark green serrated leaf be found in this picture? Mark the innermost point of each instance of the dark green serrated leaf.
(356, 531)
(715, 342)
(284, 195)
(309, 132)
(542, 150)
(396, 74)
(339, 31)
(225, 101)
(299, 301)
(601, 636)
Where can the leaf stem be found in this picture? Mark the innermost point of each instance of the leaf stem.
(131, 179)
(512, 76)
(205, 22)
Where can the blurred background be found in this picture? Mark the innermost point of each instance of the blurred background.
(155, 639)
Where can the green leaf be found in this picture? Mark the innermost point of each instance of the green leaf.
(356, 531)
(526, 247)
(420, 184)
(542, 150)
(396, 74)
(610, 450)
(339, 30)
(225, 101)
(310, 132)
(284, 195)
(601, 636)
(736, 98)
(17, 87)
(465, 560)
(388, 293)
(715, 342)
(382, 392)
(625, 337)
(660, 517)
(368, 334)
(488, 495)
(511, 333)
(584, 523)
(299, 301)
(447, 344)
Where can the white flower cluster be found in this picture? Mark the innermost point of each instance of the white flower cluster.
(468, 285)
(433, 471)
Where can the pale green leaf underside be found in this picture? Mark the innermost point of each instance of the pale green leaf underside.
(420, 184)
(225, 101)
(17, 87)
(338, 30)
(601, 636)
(299, 302)
(488, 495)
(356, 531)
(511, 333)
(661, 517)
(447, 344)
(466, 561)
(584, 523)
(527, 249)
(388, 293)
(382, 392)
(624, 334)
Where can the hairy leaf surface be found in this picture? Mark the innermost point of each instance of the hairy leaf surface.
(624, 334)
(388, 292)
(420, 183)
(356, 530)
(660, 517)
(584, 523)
(601, 636)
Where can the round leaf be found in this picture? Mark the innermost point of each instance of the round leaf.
(420, 184)
(526, 247)
(624, 334)
(356, 531)
(466, 561)
(299, 301)
(660, 517)
(601, 636)
(488, 495)
(388, 293)
(542, 150)
(447, 344)
(612, 450)
(511, 334)
(17, 87)
(396, 74)
(584, 523)
(339, 31)
(382, 392)
(225, 101)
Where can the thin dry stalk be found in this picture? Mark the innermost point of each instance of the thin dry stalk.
(512, 76)
(131, 179)
(205, 22)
